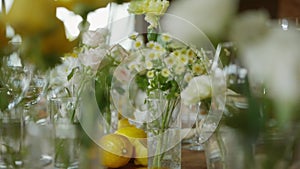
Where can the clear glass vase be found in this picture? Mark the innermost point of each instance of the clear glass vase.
(15, 78)
(228, 149)
(11, 138)
(67, 131)
(163, 132)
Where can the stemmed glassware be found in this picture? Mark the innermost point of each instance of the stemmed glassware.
(15, 78)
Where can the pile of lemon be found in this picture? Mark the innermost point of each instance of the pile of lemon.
(128, 142)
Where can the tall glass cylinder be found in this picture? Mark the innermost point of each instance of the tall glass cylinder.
(67, 131)
(163, 132)
(11, 137)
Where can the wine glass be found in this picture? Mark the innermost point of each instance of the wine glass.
(14, 82)
(289, 22)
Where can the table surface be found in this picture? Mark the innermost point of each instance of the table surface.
(190, 160)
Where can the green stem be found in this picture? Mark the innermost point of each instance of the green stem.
(222, 148)
(80, 89)
(160, 148)
(165, 124)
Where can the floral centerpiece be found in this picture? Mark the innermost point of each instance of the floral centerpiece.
(168, 75)
(161, 76)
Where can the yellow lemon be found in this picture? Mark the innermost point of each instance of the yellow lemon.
(141, 152)
(116, 150)
(122, 123)
(32, 17)
(138, 138)
(131, 132)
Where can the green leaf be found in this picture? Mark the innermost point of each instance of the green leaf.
(152, 35)
(74, 70)
(4, 99)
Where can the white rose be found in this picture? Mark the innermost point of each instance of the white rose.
(199, 88)
(92, 57)
(213, 27)
(95, 38)
(59, 75)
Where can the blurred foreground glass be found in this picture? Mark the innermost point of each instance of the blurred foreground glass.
(14, 81)
(11, 137)
(193, 119)
(67, 132)
(15, 77)
(289, 22)
(227, 147)
(39, 141)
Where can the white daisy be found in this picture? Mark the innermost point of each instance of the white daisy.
(170, 61)
(165, 72)
(150, 74)
(150, 44)
(188, 77)
(138, 44)
(183, 59)
(148, 65)
(165, 37)
(197, 69)
(179, 69)
(152, 55)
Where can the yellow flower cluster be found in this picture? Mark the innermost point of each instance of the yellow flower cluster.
(152, 8)
(157, 7)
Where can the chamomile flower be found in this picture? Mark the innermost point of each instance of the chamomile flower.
(190, 53)
(148, 65)
(169, 61)
(133, 36)
(165, 37)
(197, 69)
(188, 77)
(165, 72)
(152, 55)
(150, 44)
(176, 53)
(183, 52)
(138, 44)
(133, 66)
(150, 74)
(158, 47)
(179, 69)
(183, 59)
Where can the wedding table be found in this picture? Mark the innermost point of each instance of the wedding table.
(190, 160)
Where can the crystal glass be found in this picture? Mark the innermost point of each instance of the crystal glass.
(227, 148)
(163, 132)
(289, 23)
(39, 141)
(15, 77)
(11, 137)
(67, 131)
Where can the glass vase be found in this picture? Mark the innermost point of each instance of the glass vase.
(11, 138)
(228, 149)
(163, 132)
(67, 131)
(15, 78)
